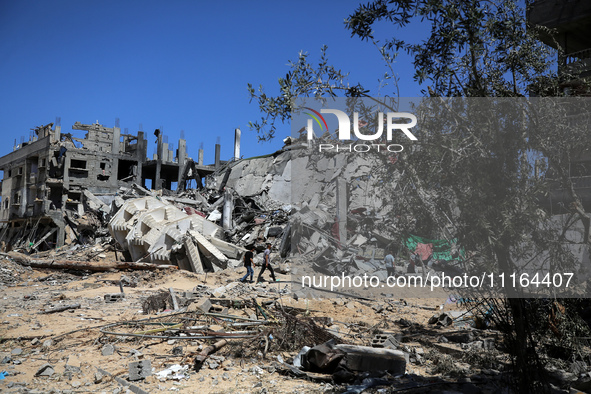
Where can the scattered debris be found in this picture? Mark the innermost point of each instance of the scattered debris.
(174, 372)
(61, 308)
(183, 312)
(201, 357)
(140, 370)
(45, 370)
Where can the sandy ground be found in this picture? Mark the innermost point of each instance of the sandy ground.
(71, 341)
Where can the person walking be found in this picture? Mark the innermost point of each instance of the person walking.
(390, 264)
(248, 263)
(266, 264)
(413, 262)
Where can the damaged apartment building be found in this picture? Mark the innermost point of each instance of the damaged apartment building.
(48, 180)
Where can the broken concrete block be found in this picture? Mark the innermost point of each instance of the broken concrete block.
(193, 257)
(391, 343)
(98, 377)
(283, 268)
(114, 297)
(188, 294)
(365, 358)
(385, 341)
(231, 251)
(149, 228)
(297, 295)
(209, 251)
(108, 350)
(71, 370)
(139, 370)
(177, 351)
(274, 231)
(45, 370)
(452, 350)
(214, 216)
(441, 320)
(94, 203)
(204, 305)
(461, 337)
(219, 292)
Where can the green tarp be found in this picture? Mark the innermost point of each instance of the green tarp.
(441, 247)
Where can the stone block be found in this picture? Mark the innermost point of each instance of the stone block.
(219, 292)
(114, 297)
(189, 294)
(384, 341)
(452, 350)
(108, 350)
(204, 305)
(365, 358)
(139, 370)
(45, 370)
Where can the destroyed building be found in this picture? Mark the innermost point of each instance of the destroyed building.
(48, 180)
(566, 27)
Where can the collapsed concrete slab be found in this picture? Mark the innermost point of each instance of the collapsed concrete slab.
(212, 253)
(154, 230)
(365, 358)
(230, 250)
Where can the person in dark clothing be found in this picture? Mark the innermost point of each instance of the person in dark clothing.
(267, 264)
(414, 260)
(248, 263)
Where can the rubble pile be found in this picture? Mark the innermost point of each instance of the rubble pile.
(245, 202)
(62, 333)
(145, 296)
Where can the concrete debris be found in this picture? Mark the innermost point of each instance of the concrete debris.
(140, 370)
(61, 308)
(343, 361)
(174, 372)
(114, 297)
(364, 358)
(108, 350)
(204, 305)
(239, 341)
(16, 352)
(441, 320)
(298, 359)
(98, 377)
(385, 341)
(93, 201)
(85, 198)
(45, 370)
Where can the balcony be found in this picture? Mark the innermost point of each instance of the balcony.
(559, 199)
(578, 63)
(570, 19)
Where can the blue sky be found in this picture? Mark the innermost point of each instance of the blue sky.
(179, 65)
